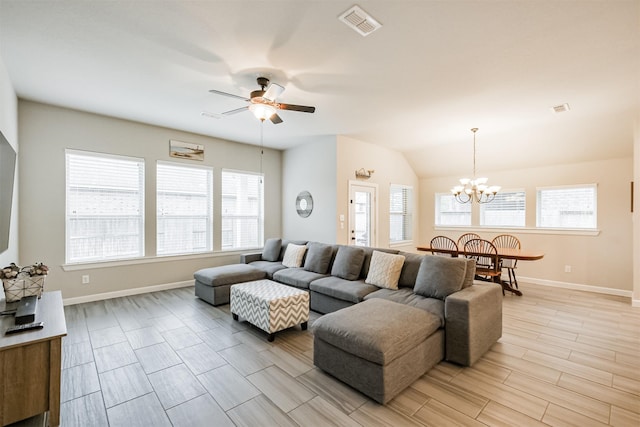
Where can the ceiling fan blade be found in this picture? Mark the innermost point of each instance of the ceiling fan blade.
(217, 92)
(301, 108)
(273, 91)
(275, 119)
(236, 111)
(211, 115)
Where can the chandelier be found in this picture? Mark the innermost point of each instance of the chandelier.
(475, 189)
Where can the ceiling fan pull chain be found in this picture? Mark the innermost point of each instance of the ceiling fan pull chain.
(261, 146)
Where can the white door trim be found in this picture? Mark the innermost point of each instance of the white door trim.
(374, 187)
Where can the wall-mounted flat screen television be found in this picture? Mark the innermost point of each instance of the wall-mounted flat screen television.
(7, 175)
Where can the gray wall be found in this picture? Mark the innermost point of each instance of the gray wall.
(310, 166)
(46, 131)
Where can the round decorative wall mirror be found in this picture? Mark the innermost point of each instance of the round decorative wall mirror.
(304, 204)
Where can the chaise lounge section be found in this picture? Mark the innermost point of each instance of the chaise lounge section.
(378, 347)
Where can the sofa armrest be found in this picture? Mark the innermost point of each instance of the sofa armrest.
(473, 322)
(247, 258)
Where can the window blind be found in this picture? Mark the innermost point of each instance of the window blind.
(506, 210)
(450, 212)
(104, 207)
(400, 213)
(184, 209)
(242, 210)
(567, 207)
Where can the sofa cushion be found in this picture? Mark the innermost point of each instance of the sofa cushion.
(268, 267)
(384, 270)
(318, 257)
(348, 262)
(410, 269)
(377, 330)
(439, 276)
(271, 250)
(296, 277)
(293, 255)
(471, 273)
(407, 297)
(228, 274)
(347, 290)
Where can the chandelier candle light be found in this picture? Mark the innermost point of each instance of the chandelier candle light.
(475, 189)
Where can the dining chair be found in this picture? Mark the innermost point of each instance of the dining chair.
(443, 242)
(508, 241)
(487, 261)
(462, 240)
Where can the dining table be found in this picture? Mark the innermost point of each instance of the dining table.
(503, 253)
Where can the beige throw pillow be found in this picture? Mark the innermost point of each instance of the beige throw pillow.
(293, 255)
(384, 270)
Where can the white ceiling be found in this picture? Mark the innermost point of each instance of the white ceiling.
(434, 70)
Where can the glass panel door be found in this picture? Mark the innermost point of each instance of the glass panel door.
(362, 210)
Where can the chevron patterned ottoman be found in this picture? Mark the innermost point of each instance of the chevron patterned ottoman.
(270, 306)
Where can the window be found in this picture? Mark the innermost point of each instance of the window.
(567, 207)
(450, 212)
(506, 210)
(242, 210)
(400, 213)
(104, 207)
(184, 209)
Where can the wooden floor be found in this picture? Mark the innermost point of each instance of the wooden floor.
(167, 358)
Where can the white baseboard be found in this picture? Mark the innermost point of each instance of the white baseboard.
(127, 292)
(185, 284)
(578, 287)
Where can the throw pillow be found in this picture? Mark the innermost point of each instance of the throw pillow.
(384, 270)
(271, 250)
(318, 257)
(293, 255)
(348, 263)
(439, 277)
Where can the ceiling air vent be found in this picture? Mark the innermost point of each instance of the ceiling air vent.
(560, 108)
(363, 23)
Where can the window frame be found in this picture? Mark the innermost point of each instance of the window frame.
(260, 217)
(406, 214)
(483, 207)
(437, 204)
(567, 187)
(209, 216)
(140, 217)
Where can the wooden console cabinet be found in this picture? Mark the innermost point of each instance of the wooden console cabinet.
(30, 364)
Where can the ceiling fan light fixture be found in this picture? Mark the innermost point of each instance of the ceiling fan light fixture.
(263, 102)
(262, 111)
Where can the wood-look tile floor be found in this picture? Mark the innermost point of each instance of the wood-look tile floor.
(167, 358)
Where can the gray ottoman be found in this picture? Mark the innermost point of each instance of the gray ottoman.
(378, 347)
(213, 284)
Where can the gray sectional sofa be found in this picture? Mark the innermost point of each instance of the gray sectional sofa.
(469, 313)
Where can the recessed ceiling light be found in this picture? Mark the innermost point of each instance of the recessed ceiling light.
(560, 108)
(360, 21)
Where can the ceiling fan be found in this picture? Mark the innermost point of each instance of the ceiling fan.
(263, 103)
